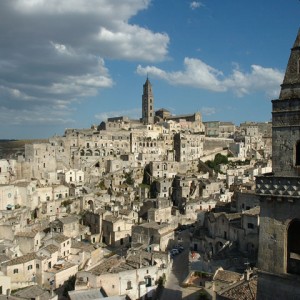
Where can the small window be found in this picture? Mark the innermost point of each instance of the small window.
(37, 266)
(129, 287)
(250, 225)
(29, 267)
(16, 271)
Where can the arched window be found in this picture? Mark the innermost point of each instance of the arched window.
(293, 247)
(297, 154)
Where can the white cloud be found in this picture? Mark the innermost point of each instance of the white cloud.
(195, 5)
(57, 50)
(259, 78)
(133, 42)
(208, 111)
(198, 74)
(36, 116)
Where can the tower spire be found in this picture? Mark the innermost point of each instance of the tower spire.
(290, 88)
(147, 103)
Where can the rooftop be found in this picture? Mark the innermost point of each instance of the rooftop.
(227, 276)
(243, 290)
(23, 259)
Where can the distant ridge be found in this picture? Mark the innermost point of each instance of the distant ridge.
(7, 140)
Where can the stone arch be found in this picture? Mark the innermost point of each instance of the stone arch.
(89, 152)
(82, 152)
(97, 153)
(293, 247)
(91, 204)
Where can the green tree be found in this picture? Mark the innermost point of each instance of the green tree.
(220, 159)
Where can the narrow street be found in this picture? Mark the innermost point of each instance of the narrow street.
(180, 270)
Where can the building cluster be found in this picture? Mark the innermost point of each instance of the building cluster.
(101, 206)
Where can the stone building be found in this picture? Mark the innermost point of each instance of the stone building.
(116, 230)
(153, 235)
(188, 146)
(8, 168)
(279, 194)
(136, 275)
(147, 103)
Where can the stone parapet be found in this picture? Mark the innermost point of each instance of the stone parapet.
(278, 186)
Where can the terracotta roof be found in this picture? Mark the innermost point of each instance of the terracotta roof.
(29, 234)
(33, 292)
(244, 290)
(82, 246)
(60, 238)
(227, 276)
(106, 266)
(23, 259)
(50, 248)
(68, 219)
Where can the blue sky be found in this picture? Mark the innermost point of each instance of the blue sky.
(73, 63)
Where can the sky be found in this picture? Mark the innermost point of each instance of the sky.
(74, 63)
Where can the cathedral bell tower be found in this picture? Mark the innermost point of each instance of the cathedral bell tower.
(147, 103)
(279, 194)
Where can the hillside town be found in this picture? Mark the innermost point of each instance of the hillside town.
(106, 204)
(137, 209)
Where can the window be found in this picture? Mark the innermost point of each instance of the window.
(29, 267)
(37, 266)
(129, 287)
(250, 226)
(16, 271)
(148, 281)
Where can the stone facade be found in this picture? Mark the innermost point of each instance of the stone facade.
(279, 194)
(147, 103)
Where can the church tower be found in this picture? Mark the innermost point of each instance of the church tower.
(279, 194)
(147, 103)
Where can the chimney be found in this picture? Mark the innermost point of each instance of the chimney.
(247, 274)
